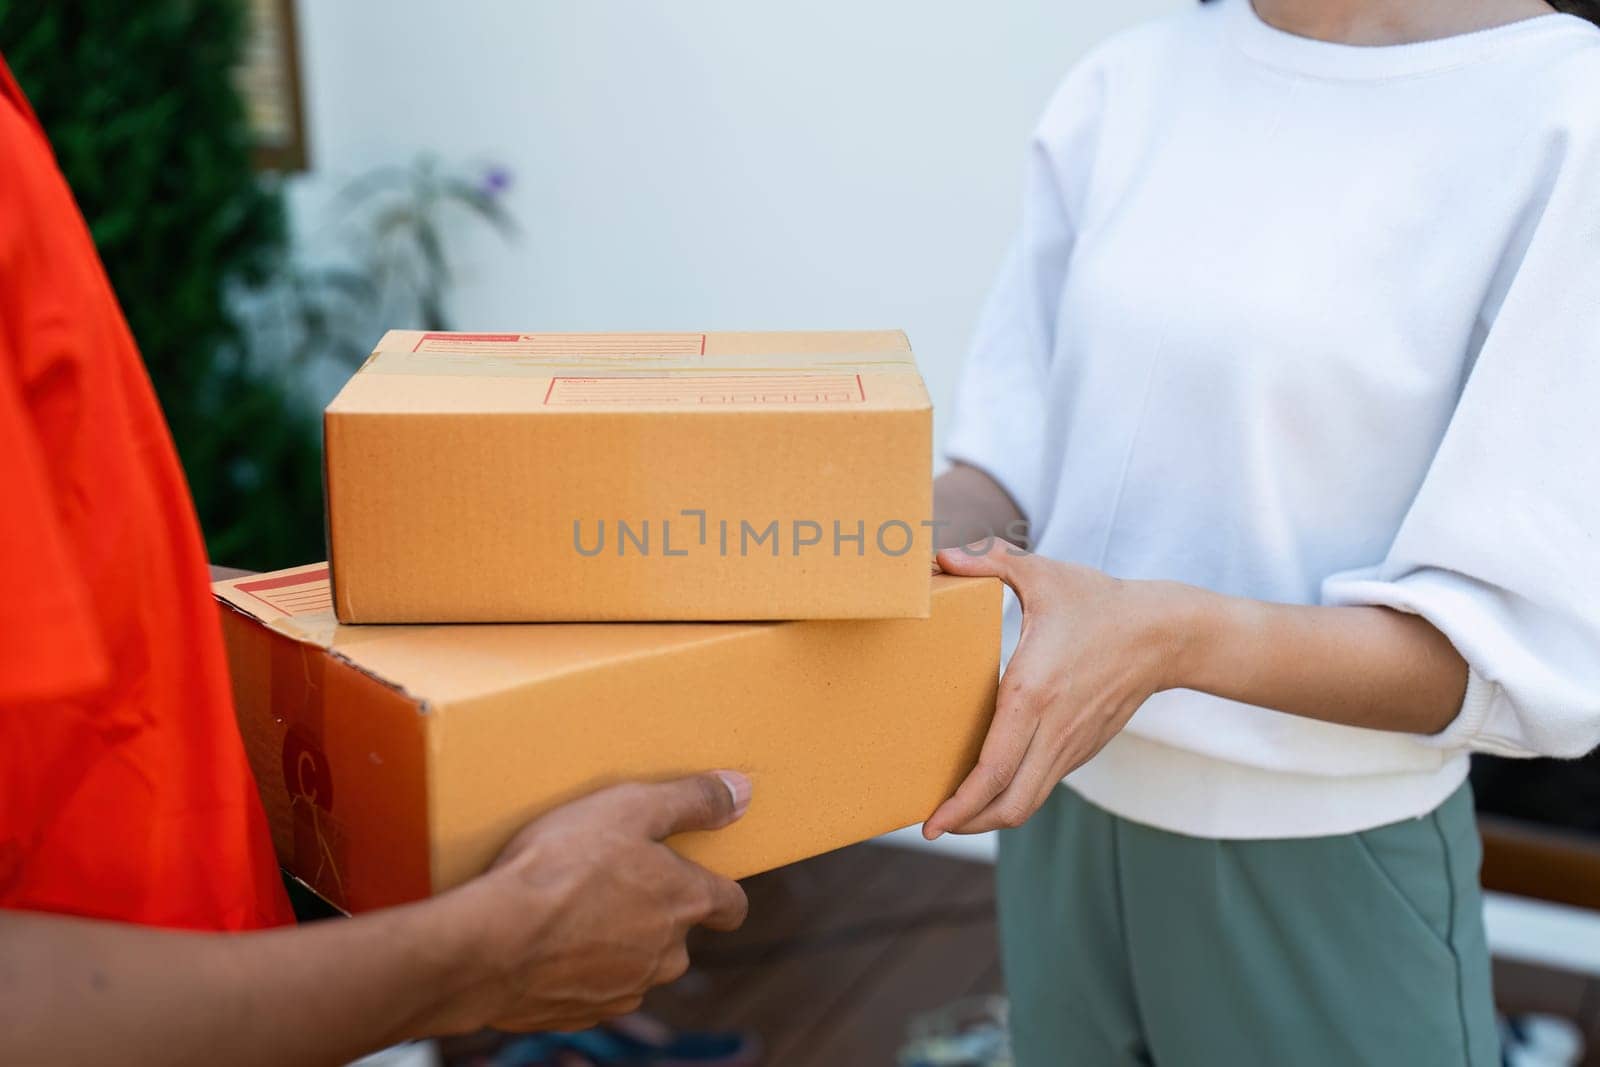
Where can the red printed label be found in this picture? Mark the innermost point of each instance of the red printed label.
(566, 344)
(304, 593)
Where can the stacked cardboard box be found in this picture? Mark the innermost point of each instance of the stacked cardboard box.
(557, 478)
(544, 482)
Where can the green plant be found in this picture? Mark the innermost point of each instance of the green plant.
(395, 220)
(379, 262)
(140, 104)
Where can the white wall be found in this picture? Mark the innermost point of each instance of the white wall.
(705, 164)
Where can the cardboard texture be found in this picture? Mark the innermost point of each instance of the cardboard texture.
(396, 761)
(591, 477)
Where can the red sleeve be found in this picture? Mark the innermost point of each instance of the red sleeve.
(50, 647)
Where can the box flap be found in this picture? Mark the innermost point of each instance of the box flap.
(297, 602)
(415, 372)
(439, 665)
(442, 664)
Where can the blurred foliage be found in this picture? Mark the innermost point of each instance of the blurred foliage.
(139, 102)
(395, 219)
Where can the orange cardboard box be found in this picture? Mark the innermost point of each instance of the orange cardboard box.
(625, 477)
(396, 761)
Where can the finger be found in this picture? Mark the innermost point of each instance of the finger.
(671, 967)
(589, 1018)
(699, 802)
(616, 1009)
(1017, 717)
(539, 1022)
(1026, 794)
(1007, 743)
(991, 558)
(726, 904)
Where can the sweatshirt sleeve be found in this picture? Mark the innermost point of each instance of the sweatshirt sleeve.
(1501, 548)
(999, 422)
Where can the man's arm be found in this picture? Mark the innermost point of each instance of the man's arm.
(582, 913)
(1093, 649)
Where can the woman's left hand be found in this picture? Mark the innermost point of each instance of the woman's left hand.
(1092, 650)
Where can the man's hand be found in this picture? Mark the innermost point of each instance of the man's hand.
(586, 909)
(1092, 650)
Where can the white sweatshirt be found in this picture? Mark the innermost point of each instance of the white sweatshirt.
(1316, 323)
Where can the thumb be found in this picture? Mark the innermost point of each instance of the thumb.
(991, 558)
(699, 802)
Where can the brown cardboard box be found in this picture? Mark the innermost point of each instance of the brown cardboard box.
(396, 761)
(589, 477)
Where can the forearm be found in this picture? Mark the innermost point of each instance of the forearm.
(79, 991)
(1094, 649)
(1359, 666)
(969, 506)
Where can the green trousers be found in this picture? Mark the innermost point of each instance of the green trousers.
(1124, 944)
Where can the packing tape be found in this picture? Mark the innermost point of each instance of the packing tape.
(490, 364)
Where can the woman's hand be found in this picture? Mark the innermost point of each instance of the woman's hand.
(1092, 650)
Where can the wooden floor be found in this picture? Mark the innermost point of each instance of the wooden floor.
(840, 952)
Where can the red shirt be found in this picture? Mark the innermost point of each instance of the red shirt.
(124, 791)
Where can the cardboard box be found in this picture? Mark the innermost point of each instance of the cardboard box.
(590, 477)
(396, 761)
